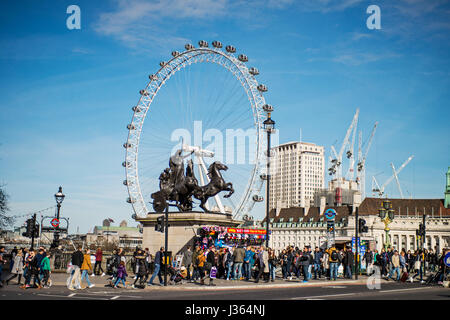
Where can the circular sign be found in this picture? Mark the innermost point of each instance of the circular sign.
(447, 259)
(330, 214)
(55, 223)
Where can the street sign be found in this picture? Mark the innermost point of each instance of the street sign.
(447, 259)
(55, 223)
(330, 214)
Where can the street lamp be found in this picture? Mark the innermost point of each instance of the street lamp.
(269, 127)
(386, 214)
(59, 197)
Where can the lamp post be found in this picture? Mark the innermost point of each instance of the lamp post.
(59, 197)
(386, 214)
(269, 127)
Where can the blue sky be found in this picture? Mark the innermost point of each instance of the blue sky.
(65, 95)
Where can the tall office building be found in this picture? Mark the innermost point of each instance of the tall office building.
(297, 171)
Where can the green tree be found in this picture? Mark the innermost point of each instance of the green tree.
(5, 220)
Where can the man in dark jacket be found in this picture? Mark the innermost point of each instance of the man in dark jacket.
(238, 260)
(159, 258)
(187, 261)
(305, 261)
(211, 263)
(77, 261)
(318, 254)
(348, 262)
(368, 258)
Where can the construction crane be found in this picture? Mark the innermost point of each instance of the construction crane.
(361, 167)
(380, 190)
(336, 167)
(350, 154)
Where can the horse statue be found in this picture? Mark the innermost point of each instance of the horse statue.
(216, 185)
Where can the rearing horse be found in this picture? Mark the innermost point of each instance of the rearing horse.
(216, 185)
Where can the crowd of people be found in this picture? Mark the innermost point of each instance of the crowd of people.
(31, 265)
(239, 262)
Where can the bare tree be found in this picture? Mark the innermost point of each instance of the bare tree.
(5, 220)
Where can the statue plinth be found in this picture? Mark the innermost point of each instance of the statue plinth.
(183, 228)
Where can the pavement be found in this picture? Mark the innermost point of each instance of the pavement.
(341, 289)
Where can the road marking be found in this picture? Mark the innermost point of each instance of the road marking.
(113, 298)
(335, 287)
(71, 295)
(328, 295)
(405, 289)
(61, 296)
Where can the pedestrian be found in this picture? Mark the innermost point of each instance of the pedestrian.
(2, 263)
(305, 263)
(368, 258)
(263, 259)
(45, 267)
(187, 261)
(121, 275)
(98, 263)
(86, 267)
(201, 260)
(334, 260)
(326, 264)
(318, 255)
(228, 262)
(247, 266)
(33, 272)
(272, 264)
(158, 262)
(348, 262)
(211, 265)
(195, 271)
(238, 260)
(395, 266)
(142, 270)
(17, 269)
(75, 276)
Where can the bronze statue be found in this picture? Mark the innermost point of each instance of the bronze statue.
(178, 186)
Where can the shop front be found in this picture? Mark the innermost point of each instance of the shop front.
(228, 237)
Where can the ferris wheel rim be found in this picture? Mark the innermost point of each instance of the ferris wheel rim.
(256, 101)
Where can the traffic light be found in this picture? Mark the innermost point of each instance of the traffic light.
(36, 231)
(159, 226)
(362, 228)
(421, 230)
(29, 226)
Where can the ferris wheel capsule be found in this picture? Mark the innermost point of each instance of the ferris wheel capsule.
(125, 164)
(263, 176)
(127, 145)
(189, 46)
(267, 108)
(262, 88)
(253, 71)
(153, 77)
(162, 63)
(131, 126)
(257, 198)
(230, 49)
(136, 109)
(143, 93)
(203, 44)
(175, 54)
(217, 44)
(125, 182)
(243, 58)
(131, 200)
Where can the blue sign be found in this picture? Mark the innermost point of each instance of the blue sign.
(447, 259)
(330, 214)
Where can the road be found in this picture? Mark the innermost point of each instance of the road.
(388, 290)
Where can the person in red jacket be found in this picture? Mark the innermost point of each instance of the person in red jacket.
(98, 262)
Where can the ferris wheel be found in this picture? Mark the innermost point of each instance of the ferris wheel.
(212, 107)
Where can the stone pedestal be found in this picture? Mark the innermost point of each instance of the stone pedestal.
(183, 229)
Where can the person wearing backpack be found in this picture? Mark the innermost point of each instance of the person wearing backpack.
(333, 260)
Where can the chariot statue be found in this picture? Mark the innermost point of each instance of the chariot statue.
(178, 185)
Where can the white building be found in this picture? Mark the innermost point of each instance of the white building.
(297, 171)
(291, 226)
